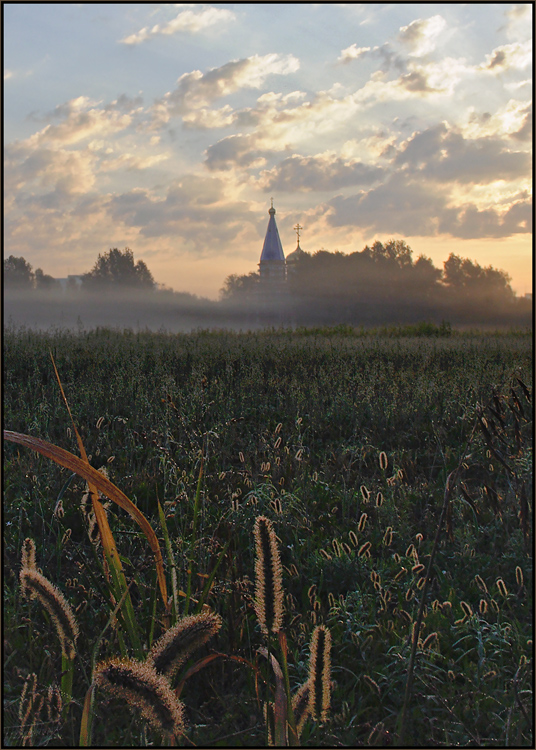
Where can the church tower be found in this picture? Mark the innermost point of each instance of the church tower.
(273, 266)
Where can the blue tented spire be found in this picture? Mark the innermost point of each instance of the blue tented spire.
(272, 248)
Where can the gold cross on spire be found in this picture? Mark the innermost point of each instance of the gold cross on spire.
(271, 202)
(297, 228)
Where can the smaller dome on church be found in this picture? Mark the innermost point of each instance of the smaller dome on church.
(295, 255)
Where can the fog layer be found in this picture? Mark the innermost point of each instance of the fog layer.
(175, 312)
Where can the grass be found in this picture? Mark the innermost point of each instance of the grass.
(343, 439)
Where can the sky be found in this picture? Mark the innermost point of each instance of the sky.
(167, 128)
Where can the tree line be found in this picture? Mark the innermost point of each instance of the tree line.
(380, 284)
(115, 268)
(383, 282)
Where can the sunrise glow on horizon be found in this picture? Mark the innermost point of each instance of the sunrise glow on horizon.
(167, 128)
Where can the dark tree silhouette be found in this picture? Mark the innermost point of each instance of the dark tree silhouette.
(18, 273)
(461, 275)
(44, 281)
(116, 268)
(239, 287)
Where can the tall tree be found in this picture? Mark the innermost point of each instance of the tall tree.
(18, 273)
(117, 268)
(44, 281)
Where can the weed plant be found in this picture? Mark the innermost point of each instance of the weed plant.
(355, 447)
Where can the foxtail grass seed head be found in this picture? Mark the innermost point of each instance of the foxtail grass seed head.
(482, 606)
(27, 700)
(362, 522)
(417, 568)
(268, 577)
(37, 586)
(336, 547)
(429, 641)
(269, 720)
(300, 706)
(100, 421)
(481, 584)
(418, 538)
(277, 443)
(364, 549)
(373, 685)
(502, 587)
(365, 494)
(241, 457)
(325, 554)
(177, 643)
(28, 554)
(495, 607)
(346, 548)
(379, 500)
(420, 583)
(144, 689)
(54, 703)
(320, 673)
(388, 536)
(383, 461)
(353, 538)
(519, 576)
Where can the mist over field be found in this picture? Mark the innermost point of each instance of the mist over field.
(181, 312)
(136, 310)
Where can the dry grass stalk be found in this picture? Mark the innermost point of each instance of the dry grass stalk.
(177, 643)
(144, 689)
(268, 577)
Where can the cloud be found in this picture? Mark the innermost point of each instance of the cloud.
(397, 206)
(187, 22)
(236, 151)
(420, 36)
(318, 173)
(516, 56)
(79, 123)
(442, 154)
(470, 222)
(514, 119)
(420, 81)
(197, 90)
(59, 172)
(519, 20)
(280, 124)
(130, 162)
(409, 208)
(352, 53)
(206, 118)
(195, 212)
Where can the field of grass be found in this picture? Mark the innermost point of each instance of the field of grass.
(344, 440)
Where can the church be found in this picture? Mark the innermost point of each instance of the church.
(275, 269)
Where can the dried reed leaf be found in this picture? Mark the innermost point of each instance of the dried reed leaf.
(102, 484)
